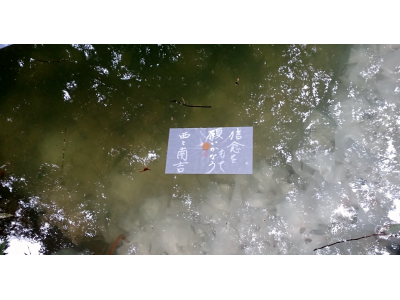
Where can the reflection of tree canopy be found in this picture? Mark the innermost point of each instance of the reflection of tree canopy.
(112, 99)
(25, 222)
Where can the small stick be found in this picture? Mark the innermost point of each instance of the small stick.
(190, 105)
(114, 245)
(50, 61)
(62, 166)
(363, 237)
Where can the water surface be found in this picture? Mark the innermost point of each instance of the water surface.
(79, 121)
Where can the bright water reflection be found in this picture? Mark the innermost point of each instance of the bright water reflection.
(80, 121)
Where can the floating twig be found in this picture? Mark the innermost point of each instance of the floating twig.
(363, 237)
(50, 61)
(190, 105)
(62, 165)
(114, 245)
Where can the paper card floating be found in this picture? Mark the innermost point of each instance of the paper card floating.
(222, 150)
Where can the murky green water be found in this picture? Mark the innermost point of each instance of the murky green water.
(76, 130)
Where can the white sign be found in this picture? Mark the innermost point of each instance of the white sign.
(216, 150)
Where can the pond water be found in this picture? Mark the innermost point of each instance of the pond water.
(80, 121)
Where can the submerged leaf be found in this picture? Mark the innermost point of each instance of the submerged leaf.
(4, 215)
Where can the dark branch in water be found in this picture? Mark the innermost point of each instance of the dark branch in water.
(50, 61)
(190, 105)
(62, 166)
(363, 237)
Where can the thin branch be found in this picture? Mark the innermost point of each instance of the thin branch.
(190, 105)
(114, 245)
(62, 165)
(363, 237)
(50, 61)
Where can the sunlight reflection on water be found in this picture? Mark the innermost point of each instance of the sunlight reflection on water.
(80, 130)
